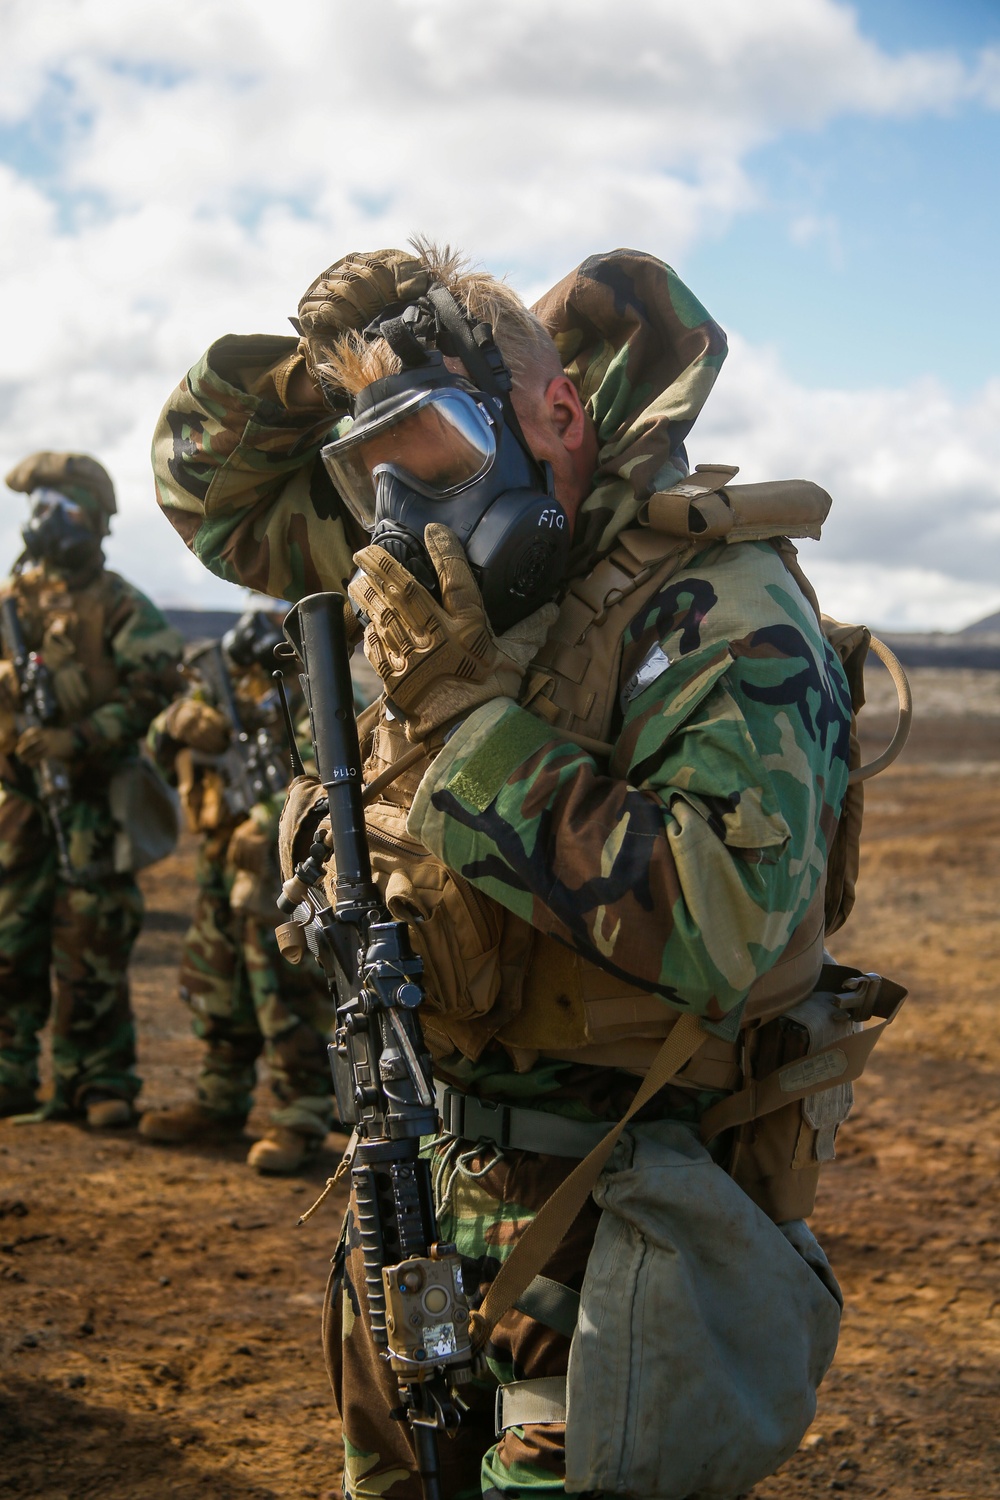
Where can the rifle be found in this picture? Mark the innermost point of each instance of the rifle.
(251, 764)
(419, 1313)
(39, 710)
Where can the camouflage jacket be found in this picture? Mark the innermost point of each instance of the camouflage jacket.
(112, 656)
(684, 864)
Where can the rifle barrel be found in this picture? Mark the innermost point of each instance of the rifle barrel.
(330, 694)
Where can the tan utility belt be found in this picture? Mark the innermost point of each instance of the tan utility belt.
(862, 996)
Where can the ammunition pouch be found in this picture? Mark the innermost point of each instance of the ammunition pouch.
(453, 927)
(798, 1088)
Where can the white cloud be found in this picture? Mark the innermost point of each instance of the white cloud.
(188, 169)
(914, 533)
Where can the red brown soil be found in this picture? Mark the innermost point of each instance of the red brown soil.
(159, 1310)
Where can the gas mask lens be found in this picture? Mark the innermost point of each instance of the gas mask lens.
(436, 441)
(57, 509)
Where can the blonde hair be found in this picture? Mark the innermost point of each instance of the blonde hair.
(349, 363)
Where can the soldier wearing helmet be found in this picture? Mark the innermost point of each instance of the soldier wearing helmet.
(245, 999)
(70, 908)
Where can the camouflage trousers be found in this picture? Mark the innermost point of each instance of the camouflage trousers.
(245, 1000)
(485, 1201)
(64, 949)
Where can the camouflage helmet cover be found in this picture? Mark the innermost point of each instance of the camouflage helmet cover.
(75, 475)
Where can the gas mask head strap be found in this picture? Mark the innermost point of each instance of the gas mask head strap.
(437, 320)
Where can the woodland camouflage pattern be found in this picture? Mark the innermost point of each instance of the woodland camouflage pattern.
(86, 930)
(245, 999)
(710, 830)
(682, 866)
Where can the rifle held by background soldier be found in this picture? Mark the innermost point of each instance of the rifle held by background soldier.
(39, 710)
(251, 764)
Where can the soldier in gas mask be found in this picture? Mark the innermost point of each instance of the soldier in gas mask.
(612, 755)
(70, 909)
(245, 999)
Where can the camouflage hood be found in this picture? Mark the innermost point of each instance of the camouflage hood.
(644, 354)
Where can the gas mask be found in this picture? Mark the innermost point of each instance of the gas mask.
(57, 532)
(252, 640)
(427, 445)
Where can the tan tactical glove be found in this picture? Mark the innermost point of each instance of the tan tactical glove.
(440, 661)
(198, 725)
(348, 294)
(297, 826)
(10, 688)
(36, 745)
(58, 643)
(252, 846)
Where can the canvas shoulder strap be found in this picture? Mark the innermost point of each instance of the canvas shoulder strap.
(553, 1220)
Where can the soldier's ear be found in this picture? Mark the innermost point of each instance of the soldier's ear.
(566, 412)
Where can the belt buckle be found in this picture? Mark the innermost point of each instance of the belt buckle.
(482, 1120)
(859, 996)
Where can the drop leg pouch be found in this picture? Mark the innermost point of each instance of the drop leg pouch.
(704, 1330)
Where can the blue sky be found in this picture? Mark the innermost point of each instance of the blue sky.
(872, 257)
(824, 176)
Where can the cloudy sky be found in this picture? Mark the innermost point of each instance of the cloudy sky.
(824, 175)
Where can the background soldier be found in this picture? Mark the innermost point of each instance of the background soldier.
(623, 816)
(245, 999)
(105, 661)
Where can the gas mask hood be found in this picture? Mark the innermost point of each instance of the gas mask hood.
(428, 445)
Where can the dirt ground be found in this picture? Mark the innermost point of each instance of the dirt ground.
(159, 1310)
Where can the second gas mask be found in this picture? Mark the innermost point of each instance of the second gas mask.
(58, 532)
(251, 641)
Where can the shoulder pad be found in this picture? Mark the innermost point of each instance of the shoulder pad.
(705, 506)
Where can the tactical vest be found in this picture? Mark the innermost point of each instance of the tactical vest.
(67, 627)
(490, 975)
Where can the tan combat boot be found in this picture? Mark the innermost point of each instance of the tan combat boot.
(189, 1124)
(105, 1111)
(283, 1151)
